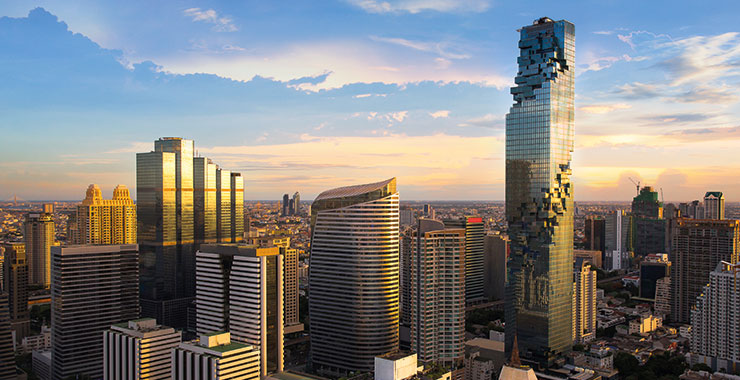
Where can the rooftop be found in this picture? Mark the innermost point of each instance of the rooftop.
(350, 191)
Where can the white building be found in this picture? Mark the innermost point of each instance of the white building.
(239, 288)
(616, 230)
(645, 324)
(40, 342)
(41, 364)
(215, 357)
(715, 322)
(139, 349)
(396, 366)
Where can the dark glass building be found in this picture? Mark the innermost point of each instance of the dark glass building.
(653, 268)
(649, 227)
(475, 235)
(539, 194)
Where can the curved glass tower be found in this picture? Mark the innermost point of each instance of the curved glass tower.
(539, 195)
(353, 277)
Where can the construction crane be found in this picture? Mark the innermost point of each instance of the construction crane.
(637, 184)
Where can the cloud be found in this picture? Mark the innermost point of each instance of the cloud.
(703, 59)
(604, 108)
(210, 16)
(630, 38)
(440, 48)
(705, 134)
(440, 114)
(399, 116)
(417, 6)
(676, 118)
(486, 121)
(602, 63)
(638, 90)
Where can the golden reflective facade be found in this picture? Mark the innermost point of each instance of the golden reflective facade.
(353, 277)
(182, 201)
(106, 221)
(539, 194)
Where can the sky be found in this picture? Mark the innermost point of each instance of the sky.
(311, 95)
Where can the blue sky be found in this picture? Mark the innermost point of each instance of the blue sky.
(311, 95)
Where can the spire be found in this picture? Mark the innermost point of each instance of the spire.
(514, 360)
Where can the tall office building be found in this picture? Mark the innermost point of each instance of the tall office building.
(652, 268)
(354, 246)
(93, 287)
(296, 203)
(182, 202)
(290, 277)
(584, 302)
(240, 290)
(715, 321)
(39, 237)
(7, 354)
(237, 208)
(139, 349)
(475, 234)
(15, 284)
(215, 357)
(106, 221)
(698, 246)
(286, 205)
(595, 231)
(618, 240)
(496, 255)
(649, 226)
(714, 205)
(438, 293)
(539, 194)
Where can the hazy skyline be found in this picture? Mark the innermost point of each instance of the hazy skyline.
(308, 96)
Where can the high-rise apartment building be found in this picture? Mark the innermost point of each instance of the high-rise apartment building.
(698, 246)
(593, 257)
(106, 221)
(714, 205)
(296, 203)
(618, 242)
(39, 237)
(240, 290)
(663, 296)
(353, 277)
(93, 287)
(715, 321)
(438, 293)
(139, 349)
(496, 254)
(215, 357)
(407, 242)
(649, 226)
(539, 194)
(7, 354)
(475, 234)
(584, 302)
(652, 268)
(15, 284)
(182, 201)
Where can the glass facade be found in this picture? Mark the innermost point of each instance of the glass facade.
(539, 194)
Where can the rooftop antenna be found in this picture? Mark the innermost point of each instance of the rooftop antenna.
(636, 183)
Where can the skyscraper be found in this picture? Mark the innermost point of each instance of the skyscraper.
(240, 290)
(714, 205)
(104, 221)
(475, 235)
(39, 237)
(618, 242)
(595, 231)
(539, 194)
(15, 284)
(648, 223)
(93, 287)
(7, 355)
(715, 321)
(286, 205)
(353, 277)
(296, 203)
(139, 349)
(496, 255)
(438, 293)
(176, 212)
(237, 208)
(698, 246)
(584, 302)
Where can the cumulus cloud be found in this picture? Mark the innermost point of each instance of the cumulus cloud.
(602, 63)
(440, 114)
(417, 6)
(220, 23)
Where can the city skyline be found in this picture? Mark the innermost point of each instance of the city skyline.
(412, 89)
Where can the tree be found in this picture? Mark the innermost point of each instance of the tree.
(626, 364)
(701, 367)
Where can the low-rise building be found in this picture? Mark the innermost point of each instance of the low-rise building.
(215, 357)
(396, 366)
(645, 324)
(139, 349)
(41, 364)
(40, 342)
